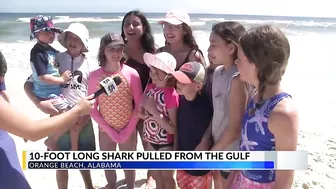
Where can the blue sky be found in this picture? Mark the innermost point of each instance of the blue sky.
(310, 8)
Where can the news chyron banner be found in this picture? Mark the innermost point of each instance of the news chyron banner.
(166, 160)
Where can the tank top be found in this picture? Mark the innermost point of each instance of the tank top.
(11, 174)
(184, 61)
(142, 69)
(221, 87)
(257, 137)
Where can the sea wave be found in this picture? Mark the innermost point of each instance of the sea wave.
(68, 19)
(310, 23)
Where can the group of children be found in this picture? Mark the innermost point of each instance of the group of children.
(236, 103)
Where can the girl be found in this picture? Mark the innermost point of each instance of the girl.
(160, 104)
(117, 114)
(137, 34)
(271, 118)
(229, 93)
(180, 41)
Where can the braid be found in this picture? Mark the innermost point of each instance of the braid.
(261, 91)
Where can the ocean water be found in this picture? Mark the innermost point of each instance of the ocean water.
(309, 78)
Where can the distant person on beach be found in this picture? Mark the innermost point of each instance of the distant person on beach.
(137, 34)
(159, 110)
(194, 114)
(17, 123)
(271, 118)
(75, 39)
(229, 93)
(180, 41)
(3, 70)
(117, 114)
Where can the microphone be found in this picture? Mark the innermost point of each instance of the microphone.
(108, 86)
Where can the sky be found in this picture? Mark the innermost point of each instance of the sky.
(305, 8)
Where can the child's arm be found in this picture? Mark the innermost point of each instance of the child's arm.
(47, 78)
(40, 63)
(136, 88)
(283, 123)
(237, 104)
(44, 106)
(171, 100)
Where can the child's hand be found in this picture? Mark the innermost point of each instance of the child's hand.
(150, 106)
(66, 76)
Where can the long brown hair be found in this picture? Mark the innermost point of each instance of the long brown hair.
(229, 32)
(268, 48)
(147, 39)
(189, 39)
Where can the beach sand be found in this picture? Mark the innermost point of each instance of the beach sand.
(317, 128)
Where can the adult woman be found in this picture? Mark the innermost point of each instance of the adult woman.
(137, 34)
(21, 125)
(180, 41)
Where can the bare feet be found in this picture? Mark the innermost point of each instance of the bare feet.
(52, 145)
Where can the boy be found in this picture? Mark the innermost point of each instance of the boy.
(46, 77)
(3, 70)
(194, 114)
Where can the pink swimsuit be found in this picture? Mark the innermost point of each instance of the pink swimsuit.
(117, 114)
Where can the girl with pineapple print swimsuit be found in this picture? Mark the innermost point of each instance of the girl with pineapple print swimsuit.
(117, 114)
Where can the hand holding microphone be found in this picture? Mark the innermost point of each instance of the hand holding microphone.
(108, 86)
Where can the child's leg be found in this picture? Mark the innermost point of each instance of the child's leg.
(107, 144)
(155, 174)
(74, 137)
(51, 141)
(167, 176)
(129, 145)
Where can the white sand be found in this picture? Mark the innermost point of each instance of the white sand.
(307, 78)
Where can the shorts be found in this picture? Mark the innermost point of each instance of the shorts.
(187, 181)
(159, 146)
(86, 140)
(225, 174)
(60, 103)
(241, 182)
(2, 86)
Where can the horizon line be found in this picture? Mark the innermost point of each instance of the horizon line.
(79, 12)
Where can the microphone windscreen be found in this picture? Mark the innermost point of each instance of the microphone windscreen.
(117, 80)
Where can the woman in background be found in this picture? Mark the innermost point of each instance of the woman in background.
(180, 41)
(137, 34)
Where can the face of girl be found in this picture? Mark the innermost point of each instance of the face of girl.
(158, 76)
(172, 33)
(73, 44)
(133, 28)
(246, 68)
(114, 53)
(219, 50)
(47, 37)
